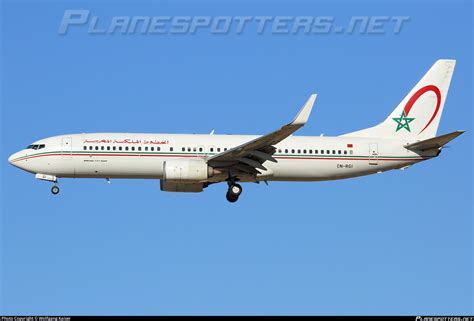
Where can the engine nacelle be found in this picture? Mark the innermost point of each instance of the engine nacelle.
(186, 170)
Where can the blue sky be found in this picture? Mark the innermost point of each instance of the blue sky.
(397, 243)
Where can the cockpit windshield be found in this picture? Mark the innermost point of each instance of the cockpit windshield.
(36, 146)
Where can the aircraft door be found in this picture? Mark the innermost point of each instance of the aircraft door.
(66, 165)
(66, 149)
(373, 154)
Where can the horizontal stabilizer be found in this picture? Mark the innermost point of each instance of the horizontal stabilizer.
(435, 142)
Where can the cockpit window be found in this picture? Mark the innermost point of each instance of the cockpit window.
(36, 146)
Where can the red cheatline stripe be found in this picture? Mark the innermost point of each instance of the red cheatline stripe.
(89, 155)
(348, 158)
(194, 156)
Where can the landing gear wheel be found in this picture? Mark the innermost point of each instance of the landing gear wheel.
(231, 197)
(55, 189)
(235, 189)
(233, 192)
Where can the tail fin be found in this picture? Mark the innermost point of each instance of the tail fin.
(418, 114)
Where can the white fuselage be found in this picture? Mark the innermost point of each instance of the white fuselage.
(122, 155)
(190, 163)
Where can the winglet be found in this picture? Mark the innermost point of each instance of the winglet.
(303, 114)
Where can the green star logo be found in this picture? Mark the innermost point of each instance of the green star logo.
(403, 122)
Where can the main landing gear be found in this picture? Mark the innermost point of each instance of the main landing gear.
(233, 192)
(55, 189)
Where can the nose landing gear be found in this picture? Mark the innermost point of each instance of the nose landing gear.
(55, 189)
(233, 192)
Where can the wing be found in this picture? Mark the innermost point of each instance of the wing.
(249, 157)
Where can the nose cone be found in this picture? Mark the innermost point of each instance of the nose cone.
(18, 160)
(13, 159)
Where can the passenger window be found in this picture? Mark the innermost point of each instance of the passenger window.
(152, 148)
(183, 149)
(126, 147)
(146, 148)
(194, 149)
(292, 151)
(218, 149)
(322, 151)
(315, 151)
(101, 147)
(120, 147)
(97, 148)
(350, 152)
(286, 151)
(225, 148)
(108, 147)
(279, 151)
(171, 149)
(345, 152)
(114, 147)
(310, 151)
(200, 149)
(304, 151)
(159, 148)
(328, 152)
(339, 152)
(85, 147)
(90, 147)
(139, 148)
(211, 149)
(133, 148)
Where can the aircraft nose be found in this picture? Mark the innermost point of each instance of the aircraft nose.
(10, 158)
(13, 157)
(17, 159)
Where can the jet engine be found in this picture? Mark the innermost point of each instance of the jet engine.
(185, 175)
(186, 170)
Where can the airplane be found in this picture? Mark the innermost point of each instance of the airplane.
(190, 163)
